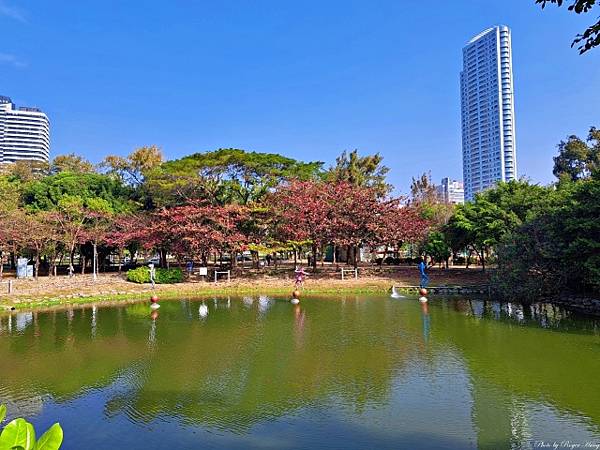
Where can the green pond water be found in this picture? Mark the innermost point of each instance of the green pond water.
(353, 372)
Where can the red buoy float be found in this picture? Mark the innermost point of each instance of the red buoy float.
(154, 298)
(423, 292)
(296, 294)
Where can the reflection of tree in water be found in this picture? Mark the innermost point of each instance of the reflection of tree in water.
(236, 367)
(515, 353)
(247, 364)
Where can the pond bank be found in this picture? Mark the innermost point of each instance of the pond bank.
(579, 303)
(82, 289)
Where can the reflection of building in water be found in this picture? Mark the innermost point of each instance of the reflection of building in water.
(498, 418)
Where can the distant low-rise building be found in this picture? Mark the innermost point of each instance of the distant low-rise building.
(451, 191)
(24, 133)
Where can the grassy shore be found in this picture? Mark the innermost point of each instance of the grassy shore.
(112, 288)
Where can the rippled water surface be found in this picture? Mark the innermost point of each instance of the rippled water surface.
(349, 372)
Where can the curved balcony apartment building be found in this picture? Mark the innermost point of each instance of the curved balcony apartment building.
(24, 133)
(487, 106)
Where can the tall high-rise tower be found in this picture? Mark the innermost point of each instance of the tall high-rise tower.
(488, 116)
(24, 133)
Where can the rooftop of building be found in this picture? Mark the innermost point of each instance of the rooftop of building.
(4, 100)
(484, 32)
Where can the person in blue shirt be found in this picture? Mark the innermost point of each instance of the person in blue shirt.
(423, 271)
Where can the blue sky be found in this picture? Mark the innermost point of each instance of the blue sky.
(306, 79)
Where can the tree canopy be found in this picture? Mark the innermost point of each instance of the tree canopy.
(363, 171)
(226, 176)
(577, 158)
(590, 37)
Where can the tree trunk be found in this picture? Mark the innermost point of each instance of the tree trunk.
(82, 259)
(482, 259)
(314, 257)
(95, 261)
(120, 260)
(37, 264)
(51, 263)
(71, 257)
(163, 258)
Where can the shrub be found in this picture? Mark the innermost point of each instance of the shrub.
(169, 276)
(163, 276)
(139, 275)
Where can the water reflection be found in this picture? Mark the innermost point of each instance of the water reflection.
(244, 363)
(203, 311)
(426, 321)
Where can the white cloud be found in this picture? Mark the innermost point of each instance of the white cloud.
(11, 11)
(11, 60)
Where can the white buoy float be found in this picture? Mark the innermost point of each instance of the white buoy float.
(154, 302)
(423, 299)
(295, 297)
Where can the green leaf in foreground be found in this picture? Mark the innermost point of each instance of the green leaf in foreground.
(51, 439)
(2, 412)
(18, 433)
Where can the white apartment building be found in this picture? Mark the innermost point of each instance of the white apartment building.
(488, 118)
(24, 133)
(451, 191)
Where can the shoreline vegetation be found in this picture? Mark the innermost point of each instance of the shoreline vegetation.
(114, 289)
(229, 208)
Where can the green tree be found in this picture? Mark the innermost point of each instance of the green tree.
(422, 190)
(361, 171)
(25, 171)
(71, 163)
(557, 248)
(226, 176)
(437, 247)
(10, 194)
(480, 225)
(590, 38)
(46, 193)
(577, 158)
(134, 168)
